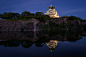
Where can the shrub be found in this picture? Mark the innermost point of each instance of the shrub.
(40, 27)
(62, 25)
(36, 24)
(46, 27)
(82, 20)
(29, 23)
(68, 25)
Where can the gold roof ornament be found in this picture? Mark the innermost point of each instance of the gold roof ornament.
(51, 6)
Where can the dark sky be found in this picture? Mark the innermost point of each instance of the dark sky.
(63, 7)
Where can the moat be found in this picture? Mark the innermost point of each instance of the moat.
(43, 44)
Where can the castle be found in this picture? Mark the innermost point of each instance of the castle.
(52, 12)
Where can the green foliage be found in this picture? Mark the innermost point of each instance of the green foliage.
(74, 18)
(47, 17)
(41, 18)
(62, 25)
(46, 26)
(82, 20)
(29, 23)
(53, 25)
(1, 15)
(26, 13)
(36, 24)
(39, 13)
(82, 26)
(9, 15)
(65, 17)
(40, 26)
(24, 16)
(68, 25)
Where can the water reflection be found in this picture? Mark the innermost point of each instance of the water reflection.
(62, 42)
(27, 39)
(52, 44)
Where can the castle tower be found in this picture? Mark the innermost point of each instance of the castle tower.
(52, 12)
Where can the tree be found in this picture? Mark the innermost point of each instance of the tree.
(46, 17)
(33, 14)
(5, 15)
(16, 15)
(26, 13)
(74, 18)
(8, 15)
(1, 16)
(11, 15)
(39, 13)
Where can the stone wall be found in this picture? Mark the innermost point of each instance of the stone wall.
(29, 25)
(58, 20)
(76, 23)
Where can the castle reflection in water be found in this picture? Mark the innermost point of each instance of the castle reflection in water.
(52, 44)
(50, 38)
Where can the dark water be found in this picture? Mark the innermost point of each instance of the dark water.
(43, 44)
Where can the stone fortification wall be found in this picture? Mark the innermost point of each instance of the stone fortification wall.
(58, 20)
(29, 25)
(76, 23)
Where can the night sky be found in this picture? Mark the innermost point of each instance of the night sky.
(63, 7)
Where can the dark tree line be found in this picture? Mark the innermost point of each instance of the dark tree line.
(9, 15)
(24, 15)
(74, 18)
(38, 15)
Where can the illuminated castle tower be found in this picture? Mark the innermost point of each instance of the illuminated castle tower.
(52, 12)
